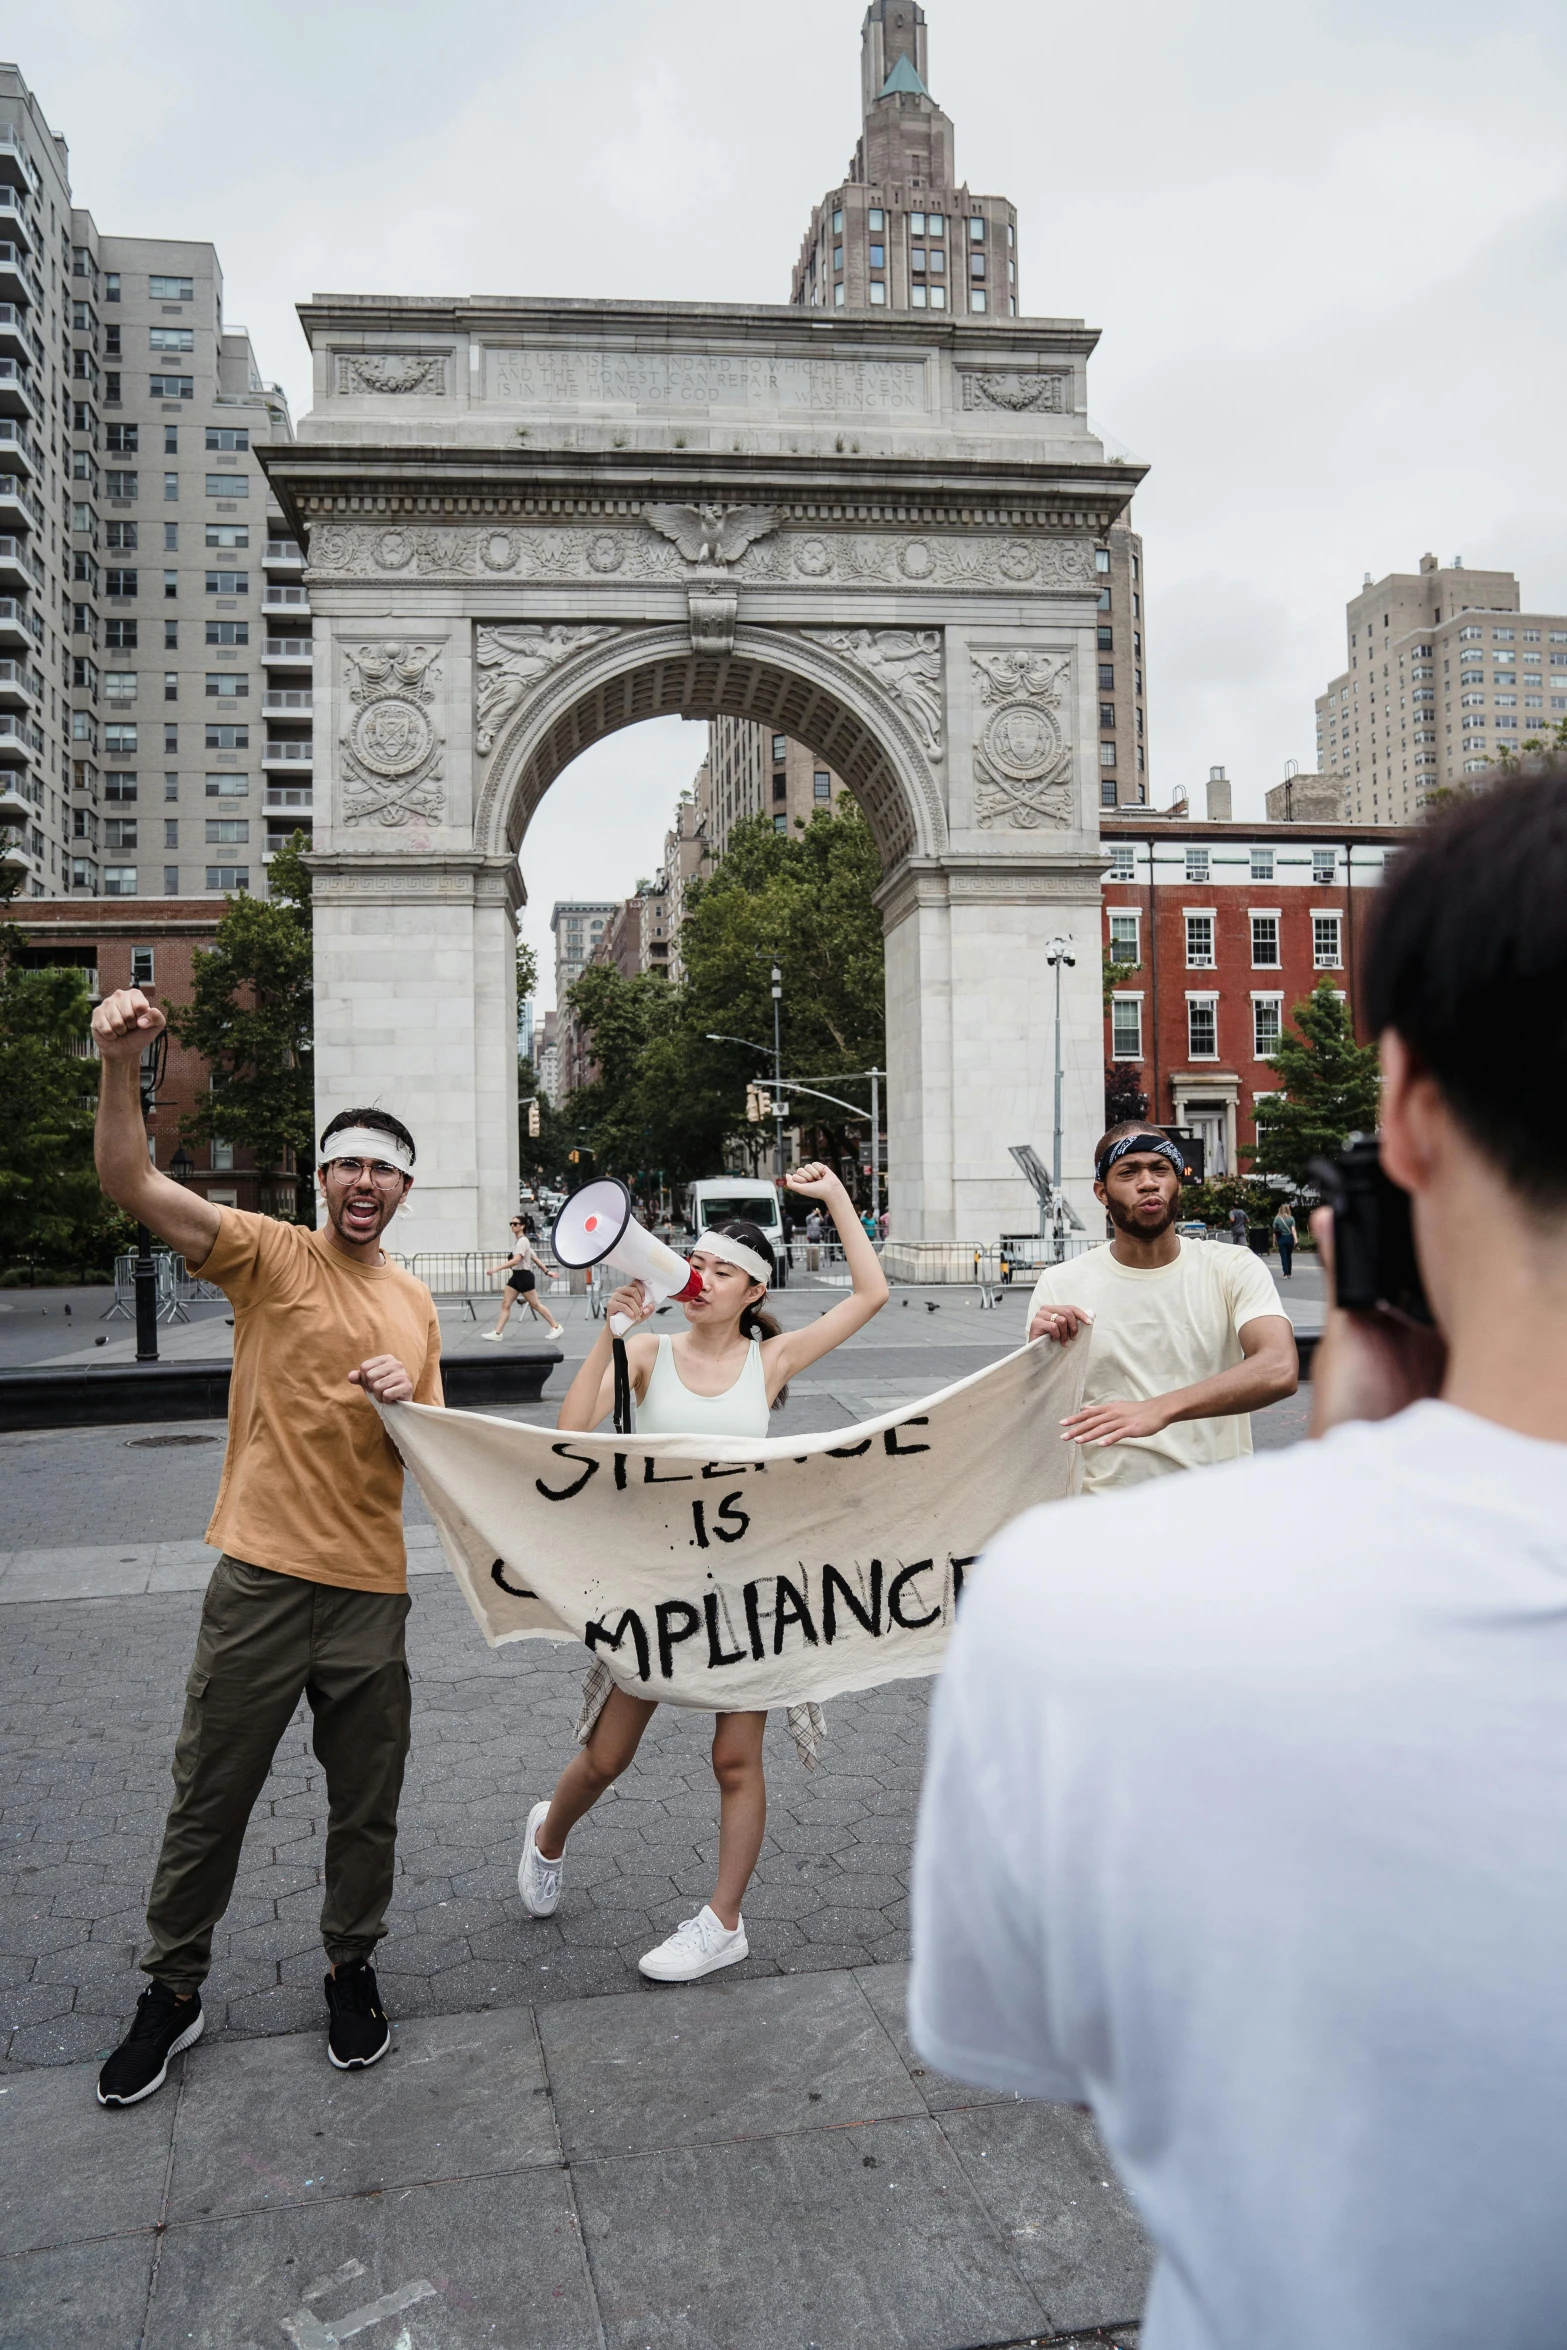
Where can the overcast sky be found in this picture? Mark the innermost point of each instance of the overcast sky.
(1324, 243)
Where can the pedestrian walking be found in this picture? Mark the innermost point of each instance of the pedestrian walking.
(1239, 1227)
(1285, 1237)
(721, 1377)
(310, 1596)
(1295, 1929)
(813, 1240)
(1188, 1342)
(522, 1269)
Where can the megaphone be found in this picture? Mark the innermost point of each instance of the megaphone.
(596, 1225)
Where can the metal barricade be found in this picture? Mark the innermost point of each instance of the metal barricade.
(124, 1288)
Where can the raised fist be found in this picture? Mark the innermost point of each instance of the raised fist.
(125, 1024)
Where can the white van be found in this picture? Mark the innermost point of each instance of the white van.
(728, 1199)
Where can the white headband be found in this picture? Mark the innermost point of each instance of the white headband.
(367, 1142)
(735, 1252)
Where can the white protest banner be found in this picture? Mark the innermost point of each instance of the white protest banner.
(786, 1570)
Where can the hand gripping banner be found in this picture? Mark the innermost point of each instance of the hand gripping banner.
(783, 1572)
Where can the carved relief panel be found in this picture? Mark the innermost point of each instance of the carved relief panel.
(1022, 740)
(391, 747)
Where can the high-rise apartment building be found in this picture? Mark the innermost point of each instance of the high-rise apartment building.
(687, 857)
(902, 232)
(155, 661)
(750, 771)
(1445, 673)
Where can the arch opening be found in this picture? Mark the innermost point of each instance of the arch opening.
(656, 674)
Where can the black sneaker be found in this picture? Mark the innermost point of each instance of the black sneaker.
(160, 2028)
(357, 2031)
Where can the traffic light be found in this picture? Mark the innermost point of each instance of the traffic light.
(533, 1121)
(758, 1104)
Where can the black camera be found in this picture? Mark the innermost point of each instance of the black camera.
(1374, 1261)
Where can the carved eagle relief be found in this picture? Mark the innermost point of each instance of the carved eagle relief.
(711, 534)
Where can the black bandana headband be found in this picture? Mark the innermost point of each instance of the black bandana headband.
(1142, 1142)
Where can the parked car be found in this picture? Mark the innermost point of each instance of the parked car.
(723, 1199)
(1192, 1231)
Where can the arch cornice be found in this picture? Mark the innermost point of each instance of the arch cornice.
(815, 689)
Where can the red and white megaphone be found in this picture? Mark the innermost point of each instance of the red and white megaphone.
(596, 1224)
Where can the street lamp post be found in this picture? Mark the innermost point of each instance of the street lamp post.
(1057, 953)
(778, 1104)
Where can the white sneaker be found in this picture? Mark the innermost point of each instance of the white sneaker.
(700, 1947)
(557, 1330)
(538, 1879)
(495, 1337)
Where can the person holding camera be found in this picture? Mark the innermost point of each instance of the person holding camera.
(1188, 1339)
(1247, 1798)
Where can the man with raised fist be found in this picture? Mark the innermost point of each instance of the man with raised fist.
(310, 1595)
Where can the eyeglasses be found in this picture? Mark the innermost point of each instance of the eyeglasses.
(354, 1170)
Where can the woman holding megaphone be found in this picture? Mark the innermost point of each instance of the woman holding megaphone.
(721, 1376)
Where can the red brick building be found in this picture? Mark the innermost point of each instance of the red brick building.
(1228, 925)
(153, 946)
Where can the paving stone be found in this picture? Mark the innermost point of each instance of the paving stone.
(1047, 2183)
(719, 2060)
(272, 2122)
(851, 2239)
(459, 2262)
(87, 2294)
(71, 2169)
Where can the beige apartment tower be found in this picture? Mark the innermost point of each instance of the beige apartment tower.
(1446, 673)
(155, 656)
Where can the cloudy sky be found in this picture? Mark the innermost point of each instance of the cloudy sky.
(1326, 245)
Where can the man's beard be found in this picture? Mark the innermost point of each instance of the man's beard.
(1140, 1227)
(336, 1212)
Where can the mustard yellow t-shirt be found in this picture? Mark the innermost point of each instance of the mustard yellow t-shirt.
(312, 1485)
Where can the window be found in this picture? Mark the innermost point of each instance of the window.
(225, 685)
(919, 297)
(936, 263)
(228, 485)
(171, 440)
(227, 437)
(171, 487)
(1196, 864)
(821, 785)
(120, 636)
(780, 787)
(878, 290)
(172, 387)
(119, 881)
(228, 534)
(976, 265)
(120, 485)
(171, 636)
(1267, 1025)
(1107, 754)
(916, 224)
(171, 787)
(976, 301)
(935, 224)
(1199, 942)
(780, 824)
(228, 831)
(1107, 677)
(1126, 1028)
(119, 832)
(837, 295)
(120, 740)
(171, 685)
(118, 582)
(876, 218)
(837, 220)
(171, 741)
(1107, 715)
(1123, 938)
(228, 632)
(171, 586)
(228, 738)
(1123, 861)
(171, 832)
(780, 747)
(171, 538)
(1202, 1027)
(878, 256)
(917, 259)
(172, 289)
(142, 967)
(222, 1156)
(228, 787)
(1324, 864)
(111, 285)
(119, 685)
(173, 338)
(1325, 955)
(228, 877)
(227, 583)
(938, 294)
(119, 785)
(976, 230)
(1265, 942)
(121, 537)
(1262, 864)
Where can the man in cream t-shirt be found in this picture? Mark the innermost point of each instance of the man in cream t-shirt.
(1186, 1340)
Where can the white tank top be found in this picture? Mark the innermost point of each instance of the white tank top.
(669, 1407)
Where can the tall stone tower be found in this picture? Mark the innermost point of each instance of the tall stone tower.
(901, 232)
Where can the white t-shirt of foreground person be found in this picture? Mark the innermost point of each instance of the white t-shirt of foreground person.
(1185, 1340)
(1246, 1806)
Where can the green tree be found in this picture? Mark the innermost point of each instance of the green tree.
(251, 1018)
(51, 1209)
(1329, 1089)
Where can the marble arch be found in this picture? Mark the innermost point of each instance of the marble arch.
(529, 523)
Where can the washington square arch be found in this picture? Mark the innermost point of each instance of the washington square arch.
(531, 522)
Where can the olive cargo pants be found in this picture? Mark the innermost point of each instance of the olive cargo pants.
(265, 1641)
